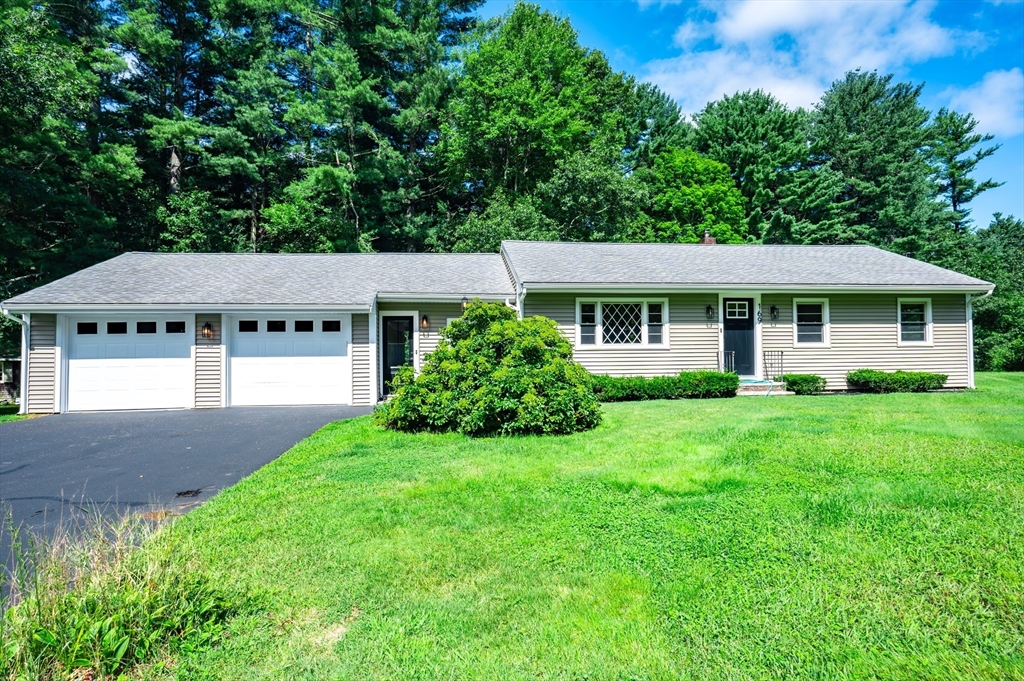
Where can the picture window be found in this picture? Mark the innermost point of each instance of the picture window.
(622, 323)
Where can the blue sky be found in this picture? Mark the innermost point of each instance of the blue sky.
(969, 54)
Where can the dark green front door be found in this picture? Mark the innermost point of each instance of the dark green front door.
(739, 333)
(396, 348)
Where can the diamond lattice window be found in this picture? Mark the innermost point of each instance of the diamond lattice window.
(621, 323)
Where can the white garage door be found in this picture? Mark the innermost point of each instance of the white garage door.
(280, 360)
(130, 362)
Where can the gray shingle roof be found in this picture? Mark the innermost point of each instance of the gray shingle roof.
(353, 279)
(273, 279)
(715, 265)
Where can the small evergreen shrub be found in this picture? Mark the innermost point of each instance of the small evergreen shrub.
(688, 384)
(873, 380)
(804, 384)
(636, 388)
(705, 384)
(494, 374)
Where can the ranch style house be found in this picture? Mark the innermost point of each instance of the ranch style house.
(198, 330)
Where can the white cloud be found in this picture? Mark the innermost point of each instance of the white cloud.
(796, 48)
(997, 102)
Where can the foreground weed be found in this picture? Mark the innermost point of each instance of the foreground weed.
(94, 599)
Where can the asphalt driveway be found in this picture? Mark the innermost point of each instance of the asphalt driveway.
(57, 466)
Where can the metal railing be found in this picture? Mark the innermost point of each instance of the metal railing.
(727, 361)
(773, 365)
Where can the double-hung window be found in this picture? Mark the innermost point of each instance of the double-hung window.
(621, 323)
(810, 322)
(915, 321)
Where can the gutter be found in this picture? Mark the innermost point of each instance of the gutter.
(23, 388)
(986, 294)
(171, 308)
(756, 288)
(438, 298)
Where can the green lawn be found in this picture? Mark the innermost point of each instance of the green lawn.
(847, 536)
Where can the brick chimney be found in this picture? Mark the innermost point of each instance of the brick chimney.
(708, 239)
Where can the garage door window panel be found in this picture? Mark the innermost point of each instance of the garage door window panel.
(145, 327)
(277, 326)
(248, 326)
(175, 327)
(117, 328)
(87, 328)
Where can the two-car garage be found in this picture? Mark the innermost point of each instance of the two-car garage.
(117, 362)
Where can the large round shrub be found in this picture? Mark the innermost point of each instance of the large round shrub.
(492, 374)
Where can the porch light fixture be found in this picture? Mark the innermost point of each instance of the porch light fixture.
(207, 331)
(709, 312)
(774, 312)
(424, 323)
(465, 302)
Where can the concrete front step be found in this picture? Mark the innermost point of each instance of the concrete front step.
(762, 389)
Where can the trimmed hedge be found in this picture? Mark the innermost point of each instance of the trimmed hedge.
(687, 385)
(804, 384)
(873, 380)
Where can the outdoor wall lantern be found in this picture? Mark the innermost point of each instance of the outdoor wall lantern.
(424, 322)
(774, 312)
(709, 312)
(465, 302)
(207, 331)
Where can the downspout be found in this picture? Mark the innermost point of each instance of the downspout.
(520, 302)
(970, 334)
(23, 388)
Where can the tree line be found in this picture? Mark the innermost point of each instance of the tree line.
(411, 125)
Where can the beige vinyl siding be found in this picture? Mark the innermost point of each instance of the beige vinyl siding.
(209, 354)
(693, 340)
(42, 364)
(361, 391)
(437, 315)
(864, 334)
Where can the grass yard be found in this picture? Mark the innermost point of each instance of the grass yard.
(847, 536)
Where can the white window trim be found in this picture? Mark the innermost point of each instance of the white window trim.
(826, 325)
(928, 337)
(598, 330)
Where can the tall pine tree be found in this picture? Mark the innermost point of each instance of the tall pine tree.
(875, 133)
